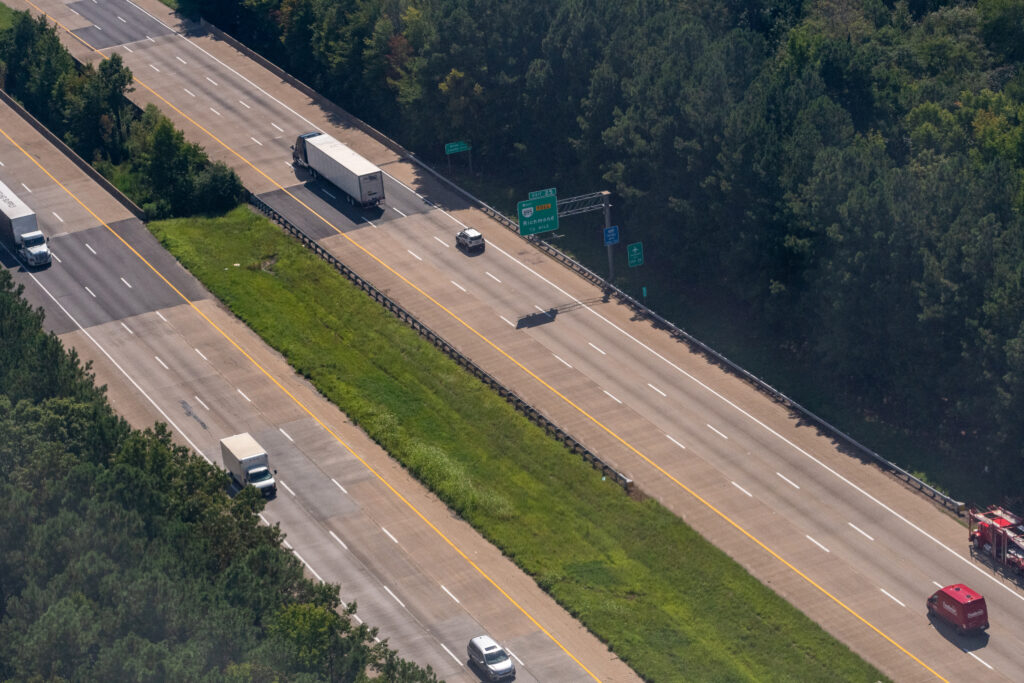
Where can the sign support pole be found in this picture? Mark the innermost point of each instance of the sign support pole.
(608, 224)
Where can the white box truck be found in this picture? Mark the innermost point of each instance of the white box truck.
(331, 159)
(18, 223)
(248, 464)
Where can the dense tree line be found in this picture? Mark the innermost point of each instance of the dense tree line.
(86, 106)
(123, 557)
(848, 177)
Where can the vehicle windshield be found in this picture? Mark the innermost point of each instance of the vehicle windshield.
(259, 475)
(34, 241)
(496, 657)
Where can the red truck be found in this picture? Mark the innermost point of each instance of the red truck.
(960, 606)
(998, 535)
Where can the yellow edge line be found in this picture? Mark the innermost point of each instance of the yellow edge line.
(501, 351)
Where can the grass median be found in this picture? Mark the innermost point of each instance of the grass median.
(668, 603)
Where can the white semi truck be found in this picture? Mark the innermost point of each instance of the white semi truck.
(332, 160)
(18, 223)
(248, 463)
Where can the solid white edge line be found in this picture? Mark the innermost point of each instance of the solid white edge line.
(286, 434)
(450, 594)
(394, 596)
(335, 537)
(817, 544)
(675, 442)
(339, 486)
(892, 597)
(286, 487)
(327, 192)
(979, 659)
(786, 479)
(741, 489)
(311, 570)
(263, 519)
(864, 533)
(114, 362)
(286, 544)
(389, 534)
(461, 663)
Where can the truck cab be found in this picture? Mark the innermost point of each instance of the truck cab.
(34, 250)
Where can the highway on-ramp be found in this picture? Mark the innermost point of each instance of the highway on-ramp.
(852, 548)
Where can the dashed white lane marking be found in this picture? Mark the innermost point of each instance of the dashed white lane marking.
(613, 397)
(128, 48)
(443, 243)
(161, 316)
(400, 213)
(242, 393)
(74, 11)
(27, 187)
(121, 19)
(90, 292)
(394, 596)
(339, 486)
(89, 247)
(542, 310)
(516, 657)
(54, 255)
(675, 442)
(657, 389)
(150, 39)
(256, 141)
(180, 59)
(311, 570)
(389, 534)
(128, 329)
(563, 362)
(788, 481)
(57, 216)
(335, 537)
(161, 362)
(211, 80)
(461, 663)
(510, 323)
(937, 584)
(201, 402)
(414, 254)
(327, 192)
(450, 594)
(742, 489)
(153, 67)
(817, 544)
(863, 533)
(202, 356)
(128, 284)
(189, 92)
(286, 435)
(716, 431)
(215, 111)
(457, 285)
(493, 278)
(244, 104)
(277, 126)
(979, 659)
(892, 597)
(96, 27)
(597, 349)
(286, 487)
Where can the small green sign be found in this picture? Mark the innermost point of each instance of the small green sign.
(538, 215)
(635, 252)
(541, 194)
(455, 147)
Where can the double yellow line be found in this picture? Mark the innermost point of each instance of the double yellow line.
(483, 338)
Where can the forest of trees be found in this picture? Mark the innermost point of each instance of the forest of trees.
(846, 178)
(142, 153)
(124, 559)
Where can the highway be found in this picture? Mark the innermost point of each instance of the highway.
(169, 352)
(852, 548)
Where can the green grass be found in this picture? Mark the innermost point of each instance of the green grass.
(6, 16)
(668, 603)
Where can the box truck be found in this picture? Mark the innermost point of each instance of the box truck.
(960, 606)
(18, 223)
(248, 463)
(330, 159)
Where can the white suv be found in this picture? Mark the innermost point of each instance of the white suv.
(490, 659)
(470, 240)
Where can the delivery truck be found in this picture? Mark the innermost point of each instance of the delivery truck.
(960, 606)
(360, 180)
(248, 463)
(18, 224)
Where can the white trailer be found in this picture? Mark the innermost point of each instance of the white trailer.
(248, 463)
(331, 159)
(18, 223)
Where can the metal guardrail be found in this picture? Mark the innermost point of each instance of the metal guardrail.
(441, 343)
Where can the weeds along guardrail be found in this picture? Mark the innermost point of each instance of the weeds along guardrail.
(441, 343)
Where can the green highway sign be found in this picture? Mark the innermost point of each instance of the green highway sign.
(635, 252)
(541, 194)
(455, 147)
(538, 215)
